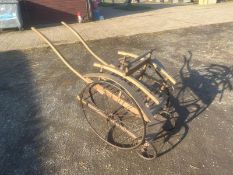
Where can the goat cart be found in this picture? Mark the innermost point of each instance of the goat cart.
(121, 103)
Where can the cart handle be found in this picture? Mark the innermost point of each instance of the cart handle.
(84, 43)
(60, 55)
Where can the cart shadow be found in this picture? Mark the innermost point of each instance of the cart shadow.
(195, 91)
(20, 125)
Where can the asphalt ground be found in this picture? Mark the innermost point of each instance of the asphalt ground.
(42, 129)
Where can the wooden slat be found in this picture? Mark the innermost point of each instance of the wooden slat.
(122, 102)
(145, 112)
(114, 97)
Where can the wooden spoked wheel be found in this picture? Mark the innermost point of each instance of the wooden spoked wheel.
(113, 114)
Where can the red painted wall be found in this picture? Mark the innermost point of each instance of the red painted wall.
(47, 11)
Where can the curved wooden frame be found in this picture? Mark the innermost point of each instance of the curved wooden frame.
(130, 79)
(157, 67)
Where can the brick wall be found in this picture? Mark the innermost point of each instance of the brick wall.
(49, 11)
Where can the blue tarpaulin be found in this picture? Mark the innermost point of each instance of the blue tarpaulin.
(10, 16)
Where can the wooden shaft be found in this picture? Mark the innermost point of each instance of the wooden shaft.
(164, 73)
(84, 43)
(60, 55)
(131, 55)
(117, 99)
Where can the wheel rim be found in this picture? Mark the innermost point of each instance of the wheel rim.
(119, 127)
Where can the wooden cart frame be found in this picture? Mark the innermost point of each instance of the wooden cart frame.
(118, 102)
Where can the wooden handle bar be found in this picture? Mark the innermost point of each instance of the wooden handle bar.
(44, 38)
(84, 43)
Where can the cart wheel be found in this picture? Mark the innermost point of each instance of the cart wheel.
(147, 151)
(113, 114)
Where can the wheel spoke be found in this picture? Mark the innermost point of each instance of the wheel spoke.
(111, 116)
